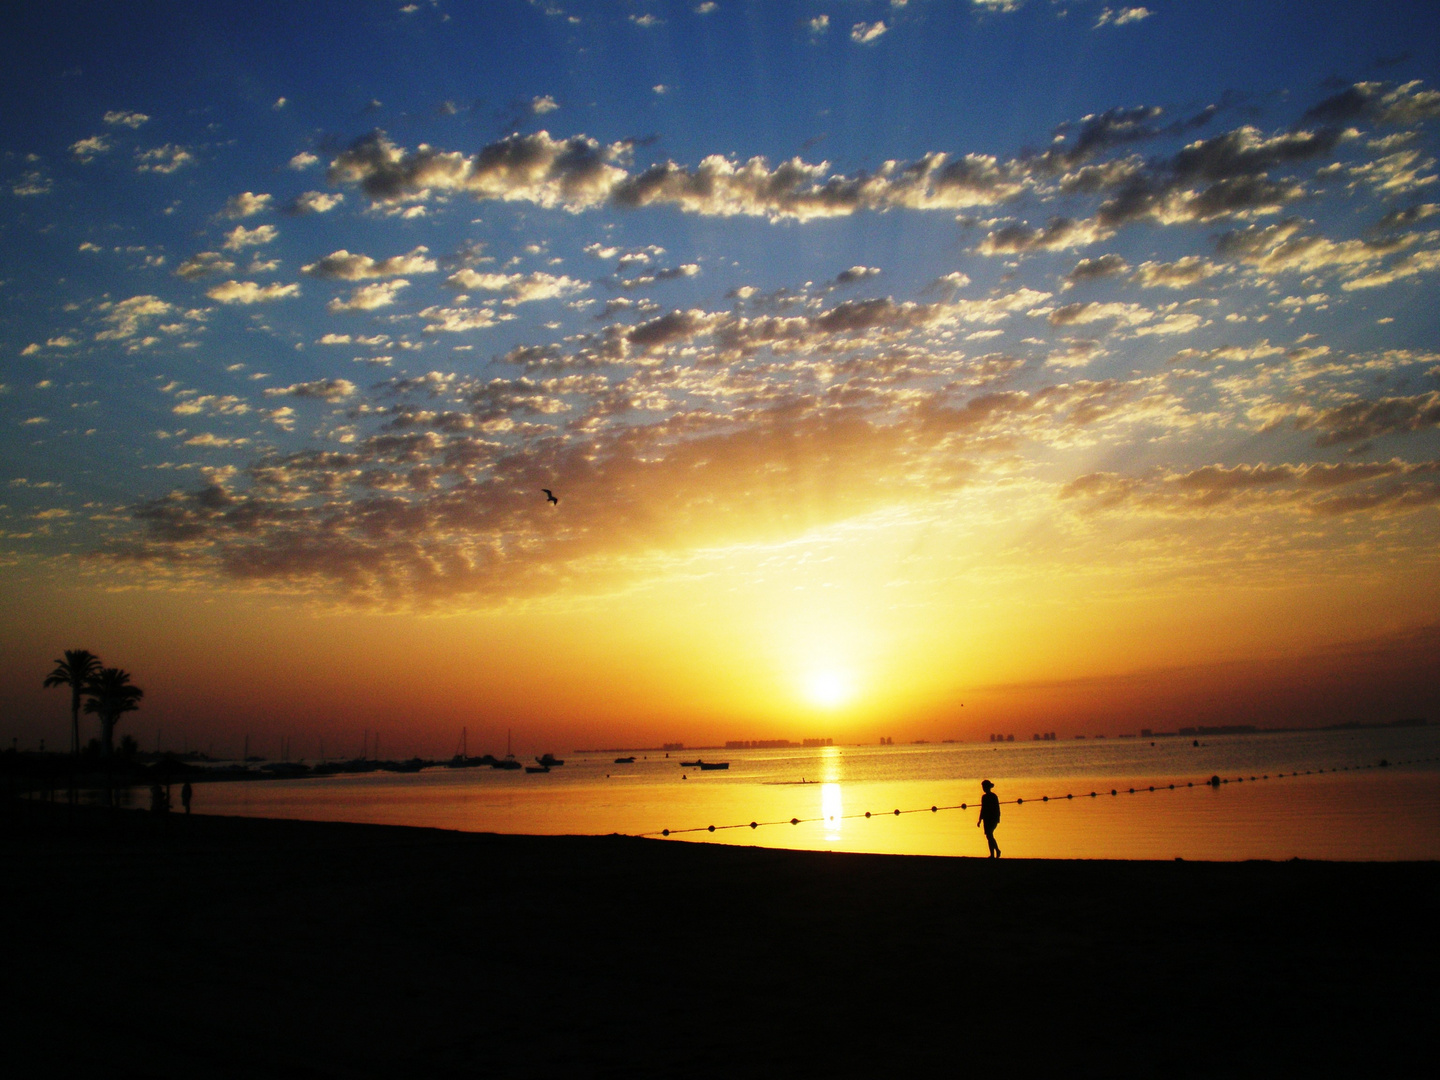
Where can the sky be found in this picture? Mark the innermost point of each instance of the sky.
(917, 370)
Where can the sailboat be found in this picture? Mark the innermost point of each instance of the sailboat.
(508, 762)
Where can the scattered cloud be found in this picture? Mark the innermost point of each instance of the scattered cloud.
(239, 238)
(204, 263)
(864, 33)
(369, 297)
(163, 159)
(245, 205)
(321, 389)
(1121, 16)
(249, 292)
(84, 150)
(315, 202)
(123, 118)
(343, 266)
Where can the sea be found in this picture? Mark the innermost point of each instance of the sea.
(1358, 794)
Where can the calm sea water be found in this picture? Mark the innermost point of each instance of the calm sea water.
(1353, 809)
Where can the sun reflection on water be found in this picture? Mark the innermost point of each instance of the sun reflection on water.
(831, 810)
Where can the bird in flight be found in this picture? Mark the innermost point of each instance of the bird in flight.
(550, 497)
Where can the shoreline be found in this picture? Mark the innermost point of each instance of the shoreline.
(252, 947)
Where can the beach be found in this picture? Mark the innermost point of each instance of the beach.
(169, 946)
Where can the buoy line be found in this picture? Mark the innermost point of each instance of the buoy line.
(1214, 782)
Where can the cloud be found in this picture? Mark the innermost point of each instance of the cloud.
(1282, 248)
(573, 173)
(32, 182)
(203, 263)
(239, 238)
(820, 24)
(542, 105)
(369, 297)
(860, 273)
(85, 149)
(214, 441)
(864, 33)
(1420, 262)
(1378, 103)
(315, 202)
(303, 160)
(1180, 274)
(1078, 314)
(126, 317)
(1102, 266)
(456, 320)
(1060, 233)
(122, 118)
(163, 159)
(578, 174)
(520, 288)
(1110, 17)
(322, 389)
(1386, 487)
(343, 266)
(1361, 420)
(245, 204)
(667, 273)
(249, 292)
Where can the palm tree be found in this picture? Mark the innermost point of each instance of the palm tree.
(110, 693)
(77, 669)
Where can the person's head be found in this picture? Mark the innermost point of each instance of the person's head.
(986, 785)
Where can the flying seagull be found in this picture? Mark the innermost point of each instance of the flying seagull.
(550, 496)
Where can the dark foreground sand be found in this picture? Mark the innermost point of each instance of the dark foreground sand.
(139, 947)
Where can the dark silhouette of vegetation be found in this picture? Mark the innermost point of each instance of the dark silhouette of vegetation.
(110, 695)
(75, 671)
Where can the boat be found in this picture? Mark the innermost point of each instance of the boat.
(550, 761)
(537, 768)
(690, 764)
(625, 760)
(708, 766)
(508, 762)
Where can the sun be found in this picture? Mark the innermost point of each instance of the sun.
(829, 688)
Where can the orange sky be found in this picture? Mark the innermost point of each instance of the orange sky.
(890, 386)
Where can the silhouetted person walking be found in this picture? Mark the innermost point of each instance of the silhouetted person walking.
(185, 795)
(989, 816)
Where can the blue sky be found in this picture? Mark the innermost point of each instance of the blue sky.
(313, 298)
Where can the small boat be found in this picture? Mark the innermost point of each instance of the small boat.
(537, 768)
(707, 766)
(505, 763)
(625, 760)
(550, 761)
(690, 764)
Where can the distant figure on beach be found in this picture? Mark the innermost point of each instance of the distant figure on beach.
(159, 803)
(185, 795)
(989, 816)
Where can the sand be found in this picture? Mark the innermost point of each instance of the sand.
(237, 947)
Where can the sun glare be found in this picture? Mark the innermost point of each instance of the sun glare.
(829, 689)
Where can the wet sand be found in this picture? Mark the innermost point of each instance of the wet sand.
(209, 946)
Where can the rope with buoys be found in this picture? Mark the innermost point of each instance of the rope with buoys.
(1214, 782)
